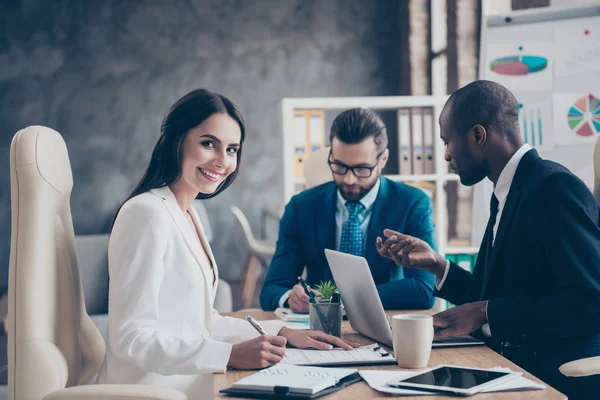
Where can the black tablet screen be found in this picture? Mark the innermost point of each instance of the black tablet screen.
(454, 377)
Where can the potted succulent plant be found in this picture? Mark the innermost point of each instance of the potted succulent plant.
(326, 314)
(326, 290)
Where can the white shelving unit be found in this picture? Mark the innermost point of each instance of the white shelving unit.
(288, 105)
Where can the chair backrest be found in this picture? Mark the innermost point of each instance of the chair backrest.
(52, 343)
(316, 169)
(92, 259)
(242, 222)
(597, 170)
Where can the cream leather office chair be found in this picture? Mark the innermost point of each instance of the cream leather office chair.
(591, 365)
(316, 169)
(53, 346)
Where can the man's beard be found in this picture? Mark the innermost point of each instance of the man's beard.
(355, 195)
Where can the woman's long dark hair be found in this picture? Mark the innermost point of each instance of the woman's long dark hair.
(188, 112)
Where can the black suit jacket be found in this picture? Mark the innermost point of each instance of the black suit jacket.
(542, 281)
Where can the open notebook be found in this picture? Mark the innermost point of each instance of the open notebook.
(293, 381)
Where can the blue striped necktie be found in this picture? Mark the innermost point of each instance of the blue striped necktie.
(352, 240)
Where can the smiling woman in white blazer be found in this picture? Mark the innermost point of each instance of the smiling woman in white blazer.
(162, 327)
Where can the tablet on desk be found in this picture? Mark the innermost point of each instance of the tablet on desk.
(456, 380)
(457, 341)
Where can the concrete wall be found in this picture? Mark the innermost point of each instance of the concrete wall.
(104, 73)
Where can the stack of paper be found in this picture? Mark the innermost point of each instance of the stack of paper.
(377, 380)
(372, 354)
(287, 315)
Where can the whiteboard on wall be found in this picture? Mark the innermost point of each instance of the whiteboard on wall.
(550, 59)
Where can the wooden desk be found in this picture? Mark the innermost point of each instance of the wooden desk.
(479, 356)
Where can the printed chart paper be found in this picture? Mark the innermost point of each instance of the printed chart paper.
(520, 67)
(535, 120)
(576, 118)
(579, 46)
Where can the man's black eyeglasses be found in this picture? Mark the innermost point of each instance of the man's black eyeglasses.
(358, 171)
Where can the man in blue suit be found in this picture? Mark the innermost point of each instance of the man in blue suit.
(348, 215)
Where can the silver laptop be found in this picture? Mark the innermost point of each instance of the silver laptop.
(362, 303)
(361, 299)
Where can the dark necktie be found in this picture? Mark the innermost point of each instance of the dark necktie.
(352, 240)
(490, 227)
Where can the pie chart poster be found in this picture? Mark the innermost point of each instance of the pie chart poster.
(525, 67)
(576, 118)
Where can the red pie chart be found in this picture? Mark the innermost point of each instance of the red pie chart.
(518, 65)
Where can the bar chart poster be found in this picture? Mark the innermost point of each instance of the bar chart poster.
(577, 118)
(535, 123)
(521, 67)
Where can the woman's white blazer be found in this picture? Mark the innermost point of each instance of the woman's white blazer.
(162, 328)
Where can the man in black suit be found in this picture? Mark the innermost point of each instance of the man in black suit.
(534, 294)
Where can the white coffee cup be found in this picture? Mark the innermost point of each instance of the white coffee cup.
(412, 336)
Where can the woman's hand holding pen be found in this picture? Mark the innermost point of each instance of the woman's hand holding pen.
(260, 352)
(408, 251)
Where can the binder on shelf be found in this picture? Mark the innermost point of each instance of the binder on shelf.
(404, 147)
(300, 152)
(417, 140)
(316, 132)
(428, 138)
(451, 258)
(425, 186)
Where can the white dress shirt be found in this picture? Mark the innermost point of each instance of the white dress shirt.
(162, 328)
(341, 216)
(501, 190)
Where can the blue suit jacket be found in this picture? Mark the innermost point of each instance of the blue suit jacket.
(308, 227)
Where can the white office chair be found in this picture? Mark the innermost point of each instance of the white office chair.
(590, 365)
(223, 297)
(53, 346)
(259, 251)
(316, 169)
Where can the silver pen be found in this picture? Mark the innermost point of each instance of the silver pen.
(256, 325)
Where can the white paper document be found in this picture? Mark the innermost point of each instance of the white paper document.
(377, 380)
(291, 325)
(579, 46)
(287, 315)
(535, 119)
(365, 355)
(524, 67)
(576, 118)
